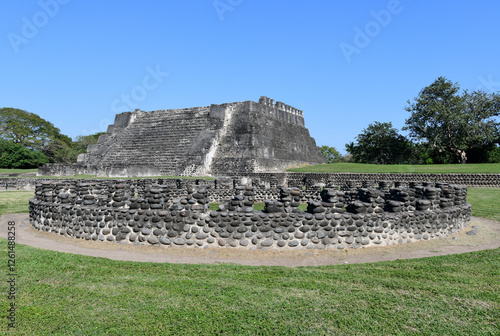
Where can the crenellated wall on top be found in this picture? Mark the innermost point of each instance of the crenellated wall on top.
(263, 137)
(280, 111)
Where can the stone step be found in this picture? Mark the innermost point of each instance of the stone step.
(173, 135)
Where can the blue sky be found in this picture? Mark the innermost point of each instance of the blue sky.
(345, 63)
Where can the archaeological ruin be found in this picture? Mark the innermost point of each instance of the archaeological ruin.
(247, 146)
(176, 213)
(216, 140)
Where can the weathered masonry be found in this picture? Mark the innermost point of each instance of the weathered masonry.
(233, 138)
(266, 183)
(337, 216)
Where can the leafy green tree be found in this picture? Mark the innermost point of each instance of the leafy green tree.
(63, 152)
(82, 141)
(330, 154)
(382, 144)
(450, 123)
(68, 153)
(28, 129)
(13, 155)
(494, 155)
(37, 134)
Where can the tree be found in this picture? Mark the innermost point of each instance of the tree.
(494, 155)
(28, 129)
(35, 133)
(380, 143)
(450, 123)
(64, 153)
(61, 152)
(330, 154)
(83, 141)
(17, 156)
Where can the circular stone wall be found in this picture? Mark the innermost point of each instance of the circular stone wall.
(336, 217)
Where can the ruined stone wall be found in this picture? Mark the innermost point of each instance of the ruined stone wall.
(267, 184)
(321, 179)
(268, 136)
(10, 183)
(345, 217)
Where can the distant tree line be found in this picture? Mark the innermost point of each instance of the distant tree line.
(445, 126)
(29, 141)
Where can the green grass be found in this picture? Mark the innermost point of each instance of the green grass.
(480, 168)
(485, 202)
(65, 294)
(17, 171)
(93, 177)
(14, 201)
(87, 176)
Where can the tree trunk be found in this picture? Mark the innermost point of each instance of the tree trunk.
(462, 156)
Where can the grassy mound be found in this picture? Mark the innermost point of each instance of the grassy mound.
(480, 168)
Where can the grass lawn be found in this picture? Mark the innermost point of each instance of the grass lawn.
(17, 171)
(480, 168)
(65, 294)
(14, 201)
(93, 177)
(485, 202)
(86, 176)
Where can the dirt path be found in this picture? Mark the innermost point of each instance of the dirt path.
(485, 235)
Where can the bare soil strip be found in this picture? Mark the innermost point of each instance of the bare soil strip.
(485, 235)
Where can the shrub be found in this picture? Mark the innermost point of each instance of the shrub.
(13, 155)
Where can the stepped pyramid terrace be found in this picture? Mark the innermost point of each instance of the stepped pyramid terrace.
(218, 140)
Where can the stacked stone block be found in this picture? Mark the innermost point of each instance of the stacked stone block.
(243, 200)
(341, 179)
(146, 214)
(331, 201)
(288, 202)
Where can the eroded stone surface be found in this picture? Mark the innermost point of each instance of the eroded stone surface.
(240, 137)
(336, 217)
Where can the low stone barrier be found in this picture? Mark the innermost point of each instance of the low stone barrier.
(267, 184)
(336, 217)
(308, 179)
